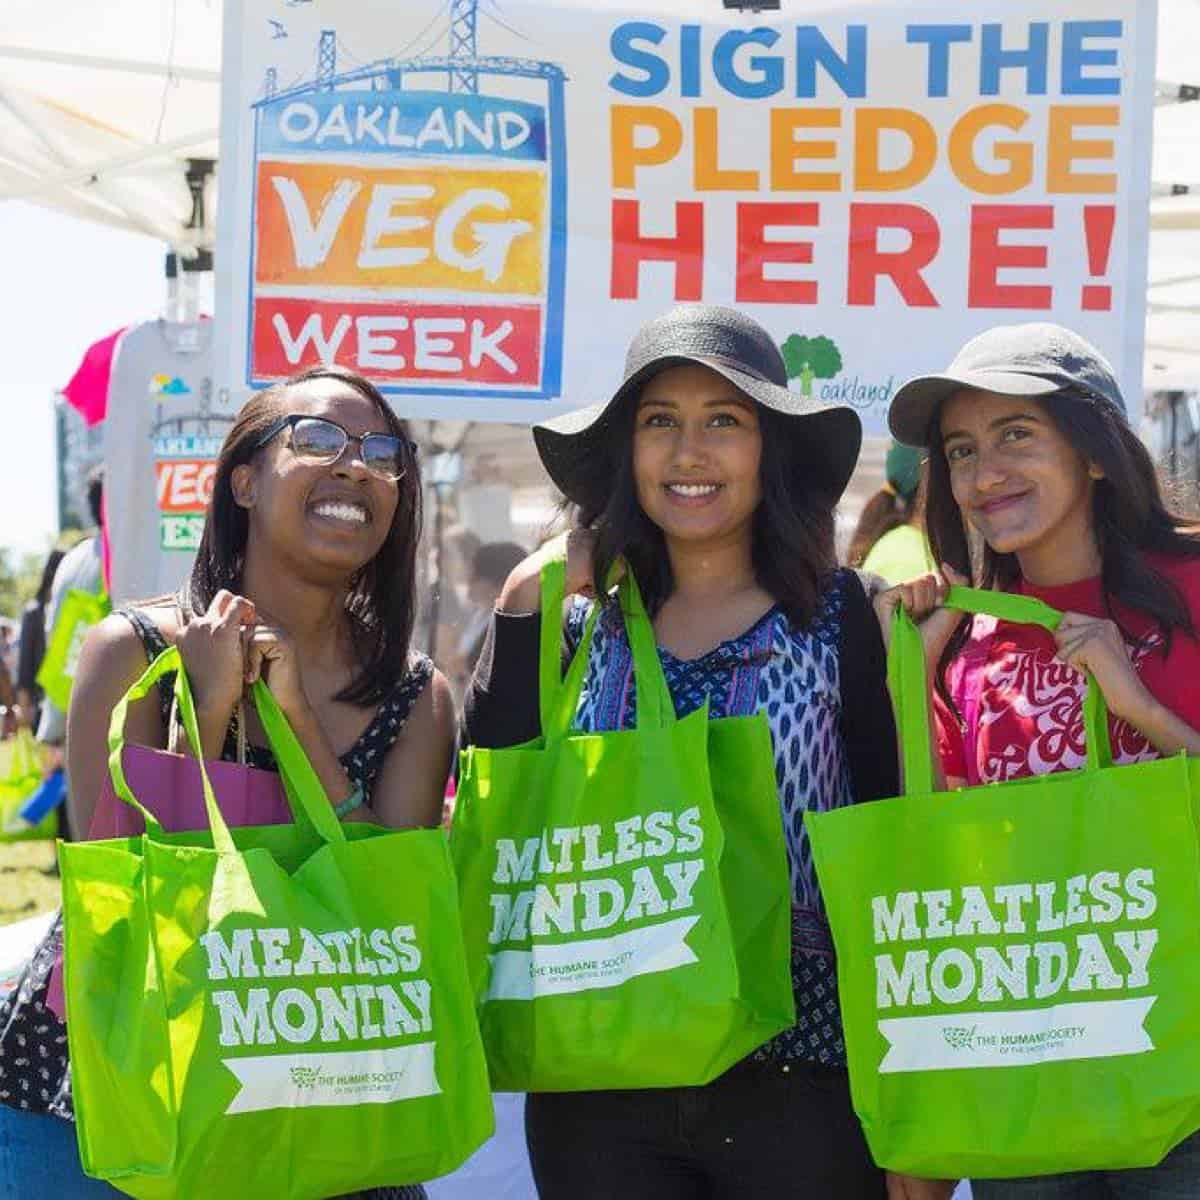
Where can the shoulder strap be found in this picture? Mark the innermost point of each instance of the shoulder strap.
(149, 633)
(393, 714)
(154, 644)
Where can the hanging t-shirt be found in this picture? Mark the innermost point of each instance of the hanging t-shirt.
(161, 438)
(1021, 707)
(87, 391)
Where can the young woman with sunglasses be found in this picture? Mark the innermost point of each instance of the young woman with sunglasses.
(305, 576)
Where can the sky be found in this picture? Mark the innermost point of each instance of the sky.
(70, 282)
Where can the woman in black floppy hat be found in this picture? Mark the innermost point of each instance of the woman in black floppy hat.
(717, 486)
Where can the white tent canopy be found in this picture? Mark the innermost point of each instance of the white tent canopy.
(104, 103)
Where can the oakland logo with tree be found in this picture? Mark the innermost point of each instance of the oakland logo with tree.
(812, 358)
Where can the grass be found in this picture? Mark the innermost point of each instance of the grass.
(28, 882)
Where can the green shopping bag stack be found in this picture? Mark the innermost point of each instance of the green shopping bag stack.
(20, 781)
(79, 611)
(1018, 962)
(625, 896)
(279, 1011)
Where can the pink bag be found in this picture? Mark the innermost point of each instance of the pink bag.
(169, 786)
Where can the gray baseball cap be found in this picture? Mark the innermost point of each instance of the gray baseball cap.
(1037, 359)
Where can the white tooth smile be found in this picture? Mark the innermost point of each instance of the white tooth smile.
(342, 512)
(692, 489)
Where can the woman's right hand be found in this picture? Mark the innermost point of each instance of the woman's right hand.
(522, 592)
(922, 599)
(581, 563)
(213, 654)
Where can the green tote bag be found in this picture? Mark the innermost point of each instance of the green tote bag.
(79, 612)
(19, 782)
(277, 1011)
(625, 895)
(1018, 962)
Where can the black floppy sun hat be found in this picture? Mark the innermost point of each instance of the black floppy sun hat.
(578, 451)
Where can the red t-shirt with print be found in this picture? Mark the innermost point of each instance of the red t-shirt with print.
(1022, 708)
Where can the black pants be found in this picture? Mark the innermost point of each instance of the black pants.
(762, 1130)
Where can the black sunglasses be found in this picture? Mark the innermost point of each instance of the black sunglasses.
(323, 441)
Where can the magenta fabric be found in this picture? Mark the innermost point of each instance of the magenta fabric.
(169, 786)
(88, 390)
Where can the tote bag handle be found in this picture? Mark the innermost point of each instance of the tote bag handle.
(654, 703)
(306, 797)
(908, 681)
(559, 695)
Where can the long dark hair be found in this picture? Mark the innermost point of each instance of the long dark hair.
(793, 537)
(381, 601)
(42, 598)
(885, 511)
(1129, 515)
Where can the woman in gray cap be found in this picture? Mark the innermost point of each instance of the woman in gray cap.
(1030, 448)
(717, 486)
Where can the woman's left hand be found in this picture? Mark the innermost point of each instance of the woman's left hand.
(271, 655)
(1093, 644)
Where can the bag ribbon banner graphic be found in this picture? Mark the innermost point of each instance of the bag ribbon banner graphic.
(270, 1012)
(557, 893)
(477, 208)
(1053, 965)
(629, 872)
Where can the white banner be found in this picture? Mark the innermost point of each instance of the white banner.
(477, 204)
(1098, 1029)
(333, 1078)
(596, 963)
